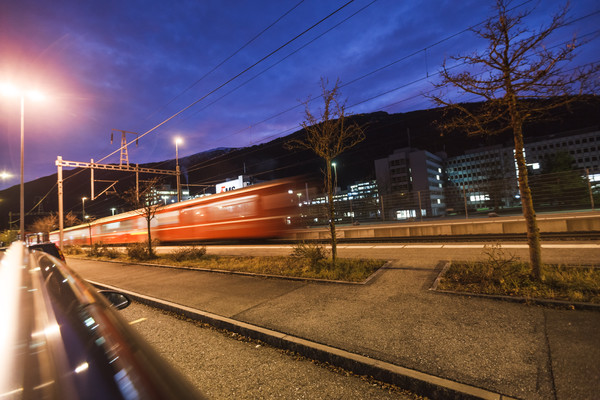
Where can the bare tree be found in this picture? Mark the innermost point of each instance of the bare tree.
(328, 134)
(8, 236)
(71, 219)
(146, 203)
(520, 79)
(45, 224)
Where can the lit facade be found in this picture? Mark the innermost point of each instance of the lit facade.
(416, 174)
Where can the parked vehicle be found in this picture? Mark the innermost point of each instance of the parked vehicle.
(48, 247)
(61, 339)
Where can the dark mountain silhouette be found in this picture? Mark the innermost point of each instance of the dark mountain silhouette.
(200, 172)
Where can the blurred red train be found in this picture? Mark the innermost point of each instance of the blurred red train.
(258, 211)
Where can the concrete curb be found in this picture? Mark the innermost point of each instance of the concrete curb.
(421, 383)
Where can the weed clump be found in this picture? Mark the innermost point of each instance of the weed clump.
(139, 251)
(187, 253)
(99, 249)
(312, 252)
(73, 250)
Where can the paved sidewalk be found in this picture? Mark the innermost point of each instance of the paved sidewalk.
(515, 350)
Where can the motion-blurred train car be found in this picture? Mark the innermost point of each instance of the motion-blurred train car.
(258, 211)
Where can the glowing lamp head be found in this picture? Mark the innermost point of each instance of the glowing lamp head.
(10, 90)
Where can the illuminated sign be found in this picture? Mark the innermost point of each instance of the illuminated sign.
(231, 185)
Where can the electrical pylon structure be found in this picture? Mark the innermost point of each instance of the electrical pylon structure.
(124, 155)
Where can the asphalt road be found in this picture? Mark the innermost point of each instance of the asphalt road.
(226, 366)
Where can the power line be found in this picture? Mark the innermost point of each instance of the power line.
(229, 57)
(413, 54)
(281, 60)
(236, 76)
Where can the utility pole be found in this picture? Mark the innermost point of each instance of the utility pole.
(59, 165)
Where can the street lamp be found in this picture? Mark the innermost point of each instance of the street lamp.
(13, 91)
(334, 165)
(178, 141)
(5, 175)
(83, 199)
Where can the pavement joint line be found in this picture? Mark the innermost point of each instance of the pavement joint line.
(424, 246)
(525, 300)
(419, 382)
(463, 246)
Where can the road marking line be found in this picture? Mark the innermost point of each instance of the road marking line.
(423, 246)
(571, 246)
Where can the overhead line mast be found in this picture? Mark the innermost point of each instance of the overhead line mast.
(124, 155)
(60, 163)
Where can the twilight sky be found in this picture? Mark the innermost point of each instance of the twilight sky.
(242, 68)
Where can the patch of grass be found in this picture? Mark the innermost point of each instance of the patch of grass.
(351, 270)
(559, 282)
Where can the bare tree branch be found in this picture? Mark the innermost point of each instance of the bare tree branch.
(515, 69)
(328, 134)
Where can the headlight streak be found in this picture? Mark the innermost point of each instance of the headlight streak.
(10, 292)
(82, 367)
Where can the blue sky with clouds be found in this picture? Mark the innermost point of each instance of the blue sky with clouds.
(133, 64)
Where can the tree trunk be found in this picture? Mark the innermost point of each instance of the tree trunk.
(150, 252)
(331, 207)
(533, 232)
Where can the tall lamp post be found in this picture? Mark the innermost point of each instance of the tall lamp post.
(10, 90)
(178, 141)
(334, 165)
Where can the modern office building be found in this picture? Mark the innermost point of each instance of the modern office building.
(413, 181)
(488, 176)
(480, 178)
